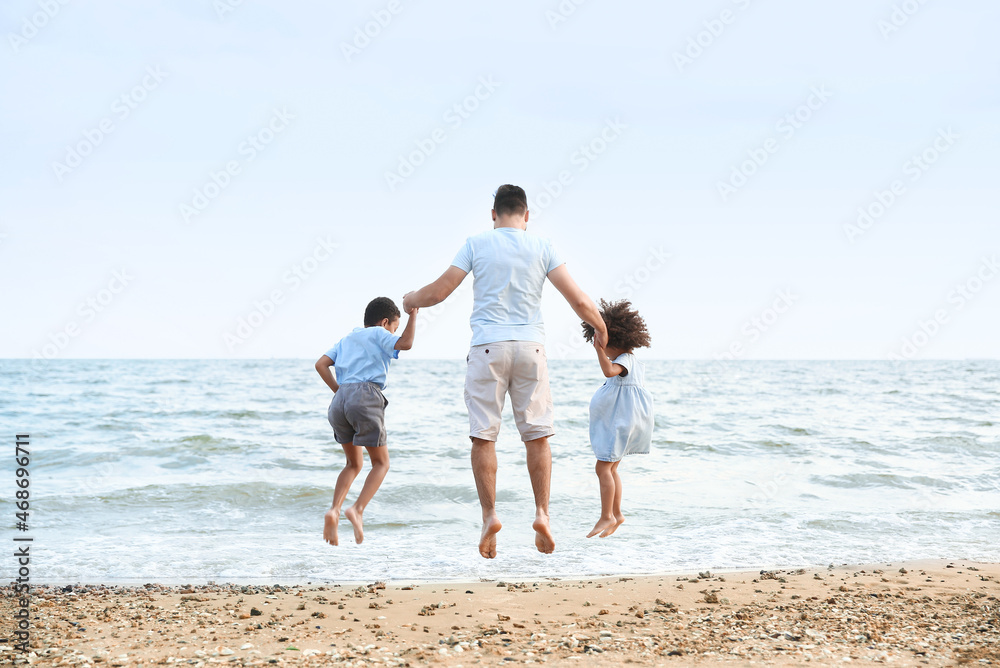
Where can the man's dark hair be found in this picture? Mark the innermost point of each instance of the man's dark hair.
(379, 309)
(626, 328)
(510, 199)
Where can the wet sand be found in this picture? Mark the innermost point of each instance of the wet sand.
(906, 614)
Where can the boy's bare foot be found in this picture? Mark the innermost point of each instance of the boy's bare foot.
(330, 521)
(354, 517)
(488, 539)
(544, 541)
(605, 526)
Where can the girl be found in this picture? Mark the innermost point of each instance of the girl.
(621, 412)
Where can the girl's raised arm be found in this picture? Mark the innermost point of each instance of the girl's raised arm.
(609, 368)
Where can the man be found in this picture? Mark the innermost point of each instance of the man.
(509, 266)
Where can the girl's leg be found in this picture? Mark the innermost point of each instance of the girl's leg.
(379, 457)
(616, 506)
(352, 468)
(607, 480)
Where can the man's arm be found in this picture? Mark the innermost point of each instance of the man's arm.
(405, 341)
(324, 366)
(582, 305)
(436, 292)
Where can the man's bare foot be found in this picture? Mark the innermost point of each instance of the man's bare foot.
(330, 521)
(488, 539)
(354, 517)
(544, 541)
(605, 526)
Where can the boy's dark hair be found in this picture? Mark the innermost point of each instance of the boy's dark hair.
(379, 309)
(510, 199)
(626, 328)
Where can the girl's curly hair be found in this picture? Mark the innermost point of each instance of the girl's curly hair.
(626, 328)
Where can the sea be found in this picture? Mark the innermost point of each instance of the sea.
(194, 471)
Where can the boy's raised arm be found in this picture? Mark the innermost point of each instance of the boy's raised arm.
(436, 292)
(324, 366)
(582, 305)
(405, 341)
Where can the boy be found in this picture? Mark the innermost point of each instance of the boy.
(509, 266)
(357, 413)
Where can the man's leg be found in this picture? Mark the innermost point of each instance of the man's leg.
(379, 457)
(485, 390)
(540, 470)
(531, 400)
(484, 468)
(351, 470)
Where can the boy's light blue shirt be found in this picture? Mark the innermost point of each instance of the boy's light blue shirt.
(509, 266)
(364, 355)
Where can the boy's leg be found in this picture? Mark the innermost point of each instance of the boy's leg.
(539, 458)
(351, 470)
(379, 457)
(606, 477)
(484, 469)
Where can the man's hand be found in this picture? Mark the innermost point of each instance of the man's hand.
(407, 307)
(600, 339)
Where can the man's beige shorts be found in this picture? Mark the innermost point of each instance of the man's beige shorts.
(518, 368)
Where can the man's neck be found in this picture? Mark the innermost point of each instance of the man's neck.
(513, 223)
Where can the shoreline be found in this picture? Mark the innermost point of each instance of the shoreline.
(917, 612)
(315, 582)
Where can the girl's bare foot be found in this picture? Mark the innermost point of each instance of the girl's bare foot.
(605, 526)
(619, 520)
(488, 539)
(354, 517)
(330, 521)
(544, 541)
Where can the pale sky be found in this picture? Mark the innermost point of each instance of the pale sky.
(713, 159)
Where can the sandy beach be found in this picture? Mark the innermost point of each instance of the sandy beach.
(915, 613)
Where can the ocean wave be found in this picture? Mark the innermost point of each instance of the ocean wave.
(887, 480)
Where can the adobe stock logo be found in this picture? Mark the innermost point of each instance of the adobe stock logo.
(264, 308)
(786, 127)
(914, 169)
(88, 310)
(248, 150)
(957, 299)
(455, 116)
(31, 25)
(122, 107)
(363, 35)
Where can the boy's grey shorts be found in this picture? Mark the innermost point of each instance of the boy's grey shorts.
(357, 415)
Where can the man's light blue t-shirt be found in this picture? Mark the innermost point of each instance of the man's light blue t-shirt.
(509, 266)
(364, 355)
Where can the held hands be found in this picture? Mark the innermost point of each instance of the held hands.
(407, 307)
(600, 339)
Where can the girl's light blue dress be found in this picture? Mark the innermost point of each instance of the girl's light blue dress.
(621, 414)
